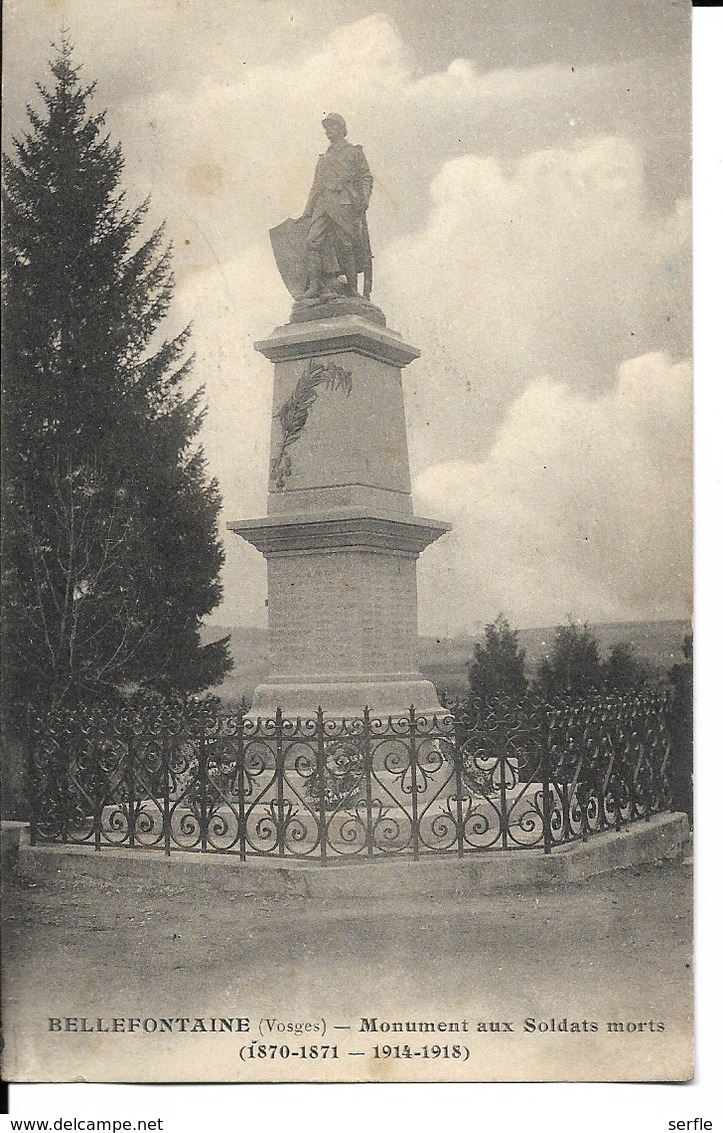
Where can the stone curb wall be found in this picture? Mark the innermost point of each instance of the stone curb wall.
(664, 837)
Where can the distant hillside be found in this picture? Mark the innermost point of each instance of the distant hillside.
(659, 644)
(444, 660)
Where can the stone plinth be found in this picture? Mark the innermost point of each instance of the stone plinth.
(340, 538)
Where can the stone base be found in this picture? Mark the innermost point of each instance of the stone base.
(340, 538)
(342, 613)
(301, 696)
(436, 876)
(339, 528)
(332, 306)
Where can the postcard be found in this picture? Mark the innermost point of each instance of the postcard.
(348, 513)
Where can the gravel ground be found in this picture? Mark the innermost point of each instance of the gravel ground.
(616, 949)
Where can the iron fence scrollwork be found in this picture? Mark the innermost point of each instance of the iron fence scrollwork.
(500, 776)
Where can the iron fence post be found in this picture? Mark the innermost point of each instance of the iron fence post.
(559, 772)
(241, 781)
(457, 764)
(131, 787)
(650, 777)
(166, 771)
(203, 785)
(652, 747)
(501, 767)
(586, 770)
(413, 769)
(367, 755)
(615, 777)
(665, 786)
(504, 816)
(546, 763)
(281, 825)
(629, 772)
(321, 762)
(97, 791)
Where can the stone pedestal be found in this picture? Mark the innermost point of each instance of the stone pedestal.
(340, 539)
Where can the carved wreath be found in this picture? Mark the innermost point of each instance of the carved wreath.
(294, 413)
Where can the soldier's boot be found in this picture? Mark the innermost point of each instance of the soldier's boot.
(349, 269)
(313, 290)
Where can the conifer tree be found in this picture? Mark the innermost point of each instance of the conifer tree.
(497, 667)
(623, 671)
(111, 554)
(573, 667)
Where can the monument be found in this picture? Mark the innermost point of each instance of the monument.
(340, 537)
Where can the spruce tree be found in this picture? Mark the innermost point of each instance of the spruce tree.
(623, 671)
(497, 667)
(573, 667)
(111, 553)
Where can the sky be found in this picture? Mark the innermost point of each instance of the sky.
(531, 230)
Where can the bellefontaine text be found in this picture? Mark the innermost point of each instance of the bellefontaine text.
(150, 1026)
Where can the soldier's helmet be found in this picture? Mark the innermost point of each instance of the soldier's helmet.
(337, 118)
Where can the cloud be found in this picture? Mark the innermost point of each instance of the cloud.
(556, 265)
(583, 507)
(463, 84)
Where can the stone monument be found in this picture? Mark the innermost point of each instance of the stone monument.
(340, 538)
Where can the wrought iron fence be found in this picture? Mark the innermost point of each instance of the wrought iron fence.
(502, 776)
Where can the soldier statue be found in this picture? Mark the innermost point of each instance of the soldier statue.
(321, 254)
(337, 207)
